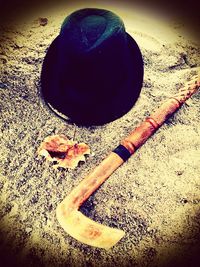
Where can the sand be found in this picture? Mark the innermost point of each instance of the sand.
(154, 197)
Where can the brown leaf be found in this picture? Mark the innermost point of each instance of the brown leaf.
(66, 153)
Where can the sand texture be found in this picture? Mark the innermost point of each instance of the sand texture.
(154, 197)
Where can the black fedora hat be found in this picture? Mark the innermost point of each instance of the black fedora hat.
(93, 70)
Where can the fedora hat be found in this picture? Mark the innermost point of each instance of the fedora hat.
(93, 71)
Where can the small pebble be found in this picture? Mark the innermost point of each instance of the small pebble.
(3, 59)
(179, 173)
(28, 230)
(43, 21)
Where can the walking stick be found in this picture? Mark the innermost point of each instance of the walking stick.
(85, 229)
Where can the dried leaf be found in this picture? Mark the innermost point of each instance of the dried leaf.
(66, 153)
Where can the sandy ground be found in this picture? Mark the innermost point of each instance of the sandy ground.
(154, 197)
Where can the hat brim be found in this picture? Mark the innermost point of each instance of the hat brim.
(100, 114)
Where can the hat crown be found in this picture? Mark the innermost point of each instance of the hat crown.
(86, 29)
(92, 28)
(94, 41)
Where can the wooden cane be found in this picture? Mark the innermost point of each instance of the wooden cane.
(81, 227)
